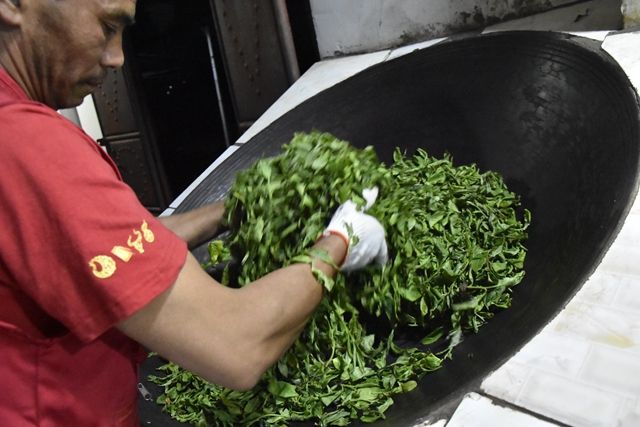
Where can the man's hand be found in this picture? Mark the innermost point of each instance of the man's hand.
(363, 233)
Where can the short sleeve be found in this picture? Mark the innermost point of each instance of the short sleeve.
(75, 237)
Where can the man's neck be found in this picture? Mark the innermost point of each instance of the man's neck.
(11, 63)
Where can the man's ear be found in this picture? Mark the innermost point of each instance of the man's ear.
(10, 13)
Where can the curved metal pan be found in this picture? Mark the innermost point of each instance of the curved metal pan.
(553, 113)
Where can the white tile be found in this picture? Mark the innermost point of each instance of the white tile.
(167, 211)
(88, 117)
(613, 327)
(629, 234)
(479, 411)
(569, 401)
(628, 295)
(596, 35)
(506, 382)
(630, 419)
(613, 369)
(635, 206)
(395, 53)
(554, 353)
(601, 289)
(621, 259)
(624, 48)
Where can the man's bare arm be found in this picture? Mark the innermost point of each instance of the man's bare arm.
(198, 225)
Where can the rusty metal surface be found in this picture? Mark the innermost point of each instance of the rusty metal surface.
(631, 13)
(127, 139)
(113, 104)
(127, 152)
(253, 55)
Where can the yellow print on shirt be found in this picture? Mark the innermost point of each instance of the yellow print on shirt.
(104, 266)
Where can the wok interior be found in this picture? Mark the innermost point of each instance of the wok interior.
(552, 113)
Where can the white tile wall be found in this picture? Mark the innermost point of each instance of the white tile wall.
(579, 17)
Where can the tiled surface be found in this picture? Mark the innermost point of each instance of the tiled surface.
(579, 404)
(583, 369)
(624, 48)
(479, 411)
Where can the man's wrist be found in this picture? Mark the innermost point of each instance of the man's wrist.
(336, 247)
(322, 259)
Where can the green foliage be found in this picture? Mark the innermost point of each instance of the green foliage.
(456, 251)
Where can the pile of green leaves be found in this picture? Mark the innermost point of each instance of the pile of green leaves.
(456, 250)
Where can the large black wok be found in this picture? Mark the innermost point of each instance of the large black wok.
(553, 113)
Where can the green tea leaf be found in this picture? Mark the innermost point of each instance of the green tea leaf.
(455, 237)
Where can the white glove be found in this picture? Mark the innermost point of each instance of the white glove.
(363, 232)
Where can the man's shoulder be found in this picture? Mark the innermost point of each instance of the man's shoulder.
(21, 113)
(34, 123)
(23, 106)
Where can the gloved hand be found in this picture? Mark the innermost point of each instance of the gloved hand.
(364, 234)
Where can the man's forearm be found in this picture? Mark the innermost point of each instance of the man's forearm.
(231, 336)
(198, 225)
(282, 302)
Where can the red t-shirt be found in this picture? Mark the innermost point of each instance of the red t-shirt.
(78, 253)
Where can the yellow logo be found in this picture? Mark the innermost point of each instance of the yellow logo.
(104, 266)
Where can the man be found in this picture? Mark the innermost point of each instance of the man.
(87, 274)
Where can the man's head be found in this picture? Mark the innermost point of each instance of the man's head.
(60, 50)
